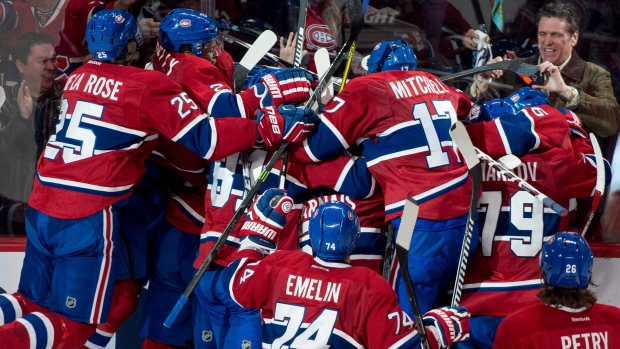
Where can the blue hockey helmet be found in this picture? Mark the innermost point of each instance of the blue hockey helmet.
(392, 55)
(334, 226)
(526, 97)
(184, 26)
(108, 33)
(566, 261)
(495, 108)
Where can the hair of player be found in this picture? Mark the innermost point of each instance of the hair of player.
(572, 298)
(23, 46)
(562, 10)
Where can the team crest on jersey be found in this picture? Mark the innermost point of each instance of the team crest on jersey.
(207, 336)
(185, 23)
(246, 344)
(319, 36)
(70, 302)
(119, 19)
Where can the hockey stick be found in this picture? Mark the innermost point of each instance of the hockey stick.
(301, 33)
(255, 53)
(461, 138)
(277, 60)
(357, 21)
(299, 49)
(387, 253)
(517, 67)
(403, 240)
(600, 183)
(512, 177)
(321, 60)
(352, 52)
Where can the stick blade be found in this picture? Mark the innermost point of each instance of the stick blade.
(321, 59)
(461, 138)
(407, 223)
(255, 53)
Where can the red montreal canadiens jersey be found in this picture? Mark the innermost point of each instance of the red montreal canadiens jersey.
(512, 223)
(109, 122)
(543, 326)
(310, 303)
(214, 94)
(401, 120)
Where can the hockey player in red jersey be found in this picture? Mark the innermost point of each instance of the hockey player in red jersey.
(557, 159)
(110, 117)
(188, 52)
(569, 316)
(400, 118)
(322, 301)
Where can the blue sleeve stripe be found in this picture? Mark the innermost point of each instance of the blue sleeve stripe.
(429, 194)
(199, 137)
(194, 216)
(226, 104)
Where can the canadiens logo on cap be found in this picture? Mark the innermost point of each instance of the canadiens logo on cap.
(185, 23)
(119, 19)
(514, 98)
(350, 215)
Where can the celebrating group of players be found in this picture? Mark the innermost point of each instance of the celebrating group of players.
(147, 168)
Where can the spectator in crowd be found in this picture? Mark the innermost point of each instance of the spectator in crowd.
(27, 119)
(568, 316)
(571, 82)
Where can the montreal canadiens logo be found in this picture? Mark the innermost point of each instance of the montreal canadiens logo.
(514, 98)
(350, 215)
(119, 19)
(319, 36)
(185, 23)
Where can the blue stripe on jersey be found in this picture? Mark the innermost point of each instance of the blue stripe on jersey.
(519, 132)
(404, 139)
(84, 187)
(358, 182)
(322, 143)
(189, 214)
(225, 104)
(503, 287)
(592, 158)
(429, 194)
(199, 136)
(40, 329)
(7, 308)
(108, 136)
(99, 339)
(215, 238)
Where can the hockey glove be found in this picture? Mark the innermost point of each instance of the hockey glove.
(266, 220)
(290, 86)
(447, 325)
(287, 123)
